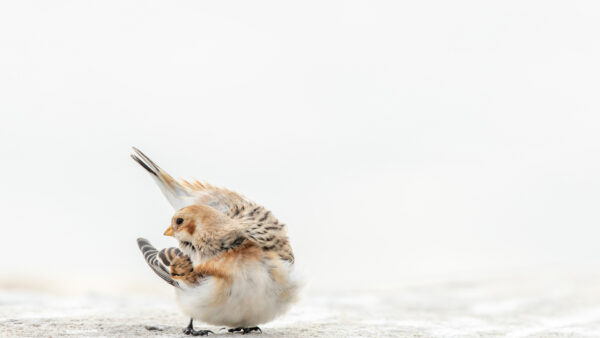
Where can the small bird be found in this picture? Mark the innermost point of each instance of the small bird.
(234, 266)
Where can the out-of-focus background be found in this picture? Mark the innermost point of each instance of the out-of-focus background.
(401, 142)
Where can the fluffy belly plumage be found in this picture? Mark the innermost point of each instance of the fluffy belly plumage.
(255, 294)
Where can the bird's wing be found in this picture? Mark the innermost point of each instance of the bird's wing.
(159, 262)
(166, 256)
(181, 193)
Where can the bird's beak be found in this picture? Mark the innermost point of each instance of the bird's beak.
(169, 231)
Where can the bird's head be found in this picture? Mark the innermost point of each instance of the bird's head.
(205, 230)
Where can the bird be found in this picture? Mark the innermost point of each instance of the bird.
(234, 265)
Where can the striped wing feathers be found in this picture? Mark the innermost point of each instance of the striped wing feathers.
(158, 265)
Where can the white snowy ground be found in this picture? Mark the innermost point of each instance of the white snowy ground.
(502, 307)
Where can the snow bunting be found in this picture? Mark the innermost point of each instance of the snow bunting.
(234, 265)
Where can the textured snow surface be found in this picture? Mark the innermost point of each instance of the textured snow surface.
(507, 307)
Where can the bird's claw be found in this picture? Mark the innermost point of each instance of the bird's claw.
(193, 332)
(245, 330)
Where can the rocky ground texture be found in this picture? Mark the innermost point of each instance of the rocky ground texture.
(507, 307)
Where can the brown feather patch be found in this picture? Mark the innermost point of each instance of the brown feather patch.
(190, 227)
(222, 266)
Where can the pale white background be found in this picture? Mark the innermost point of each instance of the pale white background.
(402, 142)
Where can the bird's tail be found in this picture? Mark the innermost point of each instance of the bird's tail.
(178, 195)
(159, 261)
(181, 193)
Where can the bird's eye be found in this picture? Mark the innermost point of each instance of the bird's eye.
(179, 220)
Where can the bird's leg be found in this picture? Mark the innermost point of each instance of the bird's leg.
(190, 330)
(245, 330)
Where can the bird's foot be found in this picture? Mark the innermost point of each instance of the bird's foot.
(245, 330)
(190, 331)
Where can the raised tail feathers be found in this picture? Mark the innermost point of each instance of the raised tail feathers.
(181, 193)
(177, 195)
